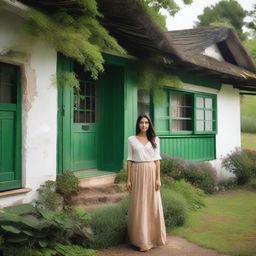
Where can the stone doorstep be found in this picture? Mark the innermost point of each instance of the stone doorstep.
(14, 192)
(98, 180)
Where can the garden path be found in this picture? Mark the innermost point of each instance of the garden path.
(176, 246)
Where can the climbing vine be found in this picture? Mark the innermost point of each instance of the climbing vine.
(80, 37)
(153, 76)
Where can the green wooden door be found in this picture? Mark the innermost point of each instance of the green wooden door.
(77, 119)
(84, 122)
(10, 127)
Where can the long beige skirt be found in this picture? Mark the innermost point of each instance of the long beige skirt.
(146, 227)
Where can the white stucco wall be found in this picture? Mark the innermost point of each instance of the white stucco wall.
(214, 52)
(229, 125)
(39, 108)
(228, 117)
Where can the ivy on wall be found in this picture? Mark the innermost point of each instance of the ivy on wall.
(153, 76)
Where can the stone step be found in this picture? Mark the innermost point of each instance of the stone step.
(103, 189)
(99, 180)
(101, 198)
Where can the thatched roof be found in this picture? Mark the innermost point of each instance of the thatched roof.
(130, 24)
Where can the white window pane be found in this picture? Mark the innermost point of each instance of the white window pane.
(208, 125)
(200, 125)
(200, 114)
(199, 102)
(208, 103)
(208, 115)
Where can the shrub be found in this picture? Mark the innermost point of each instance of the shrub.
(172, 166)
(27, 230)
(199, 174)
(109, 225)
(175, 208)
(194, 196)
(242, 163)
(48, 198)
(67, 185)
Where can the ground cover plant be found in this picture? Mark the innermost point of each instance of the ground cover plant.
(227, 224)
(242, 163)
(199, 174)
(51, 226)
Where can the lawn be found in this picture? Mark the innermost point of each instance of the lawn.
(227, 224)
(249, 140)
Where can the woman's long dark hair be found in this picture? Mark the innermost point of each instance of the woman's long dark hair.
(151, 135)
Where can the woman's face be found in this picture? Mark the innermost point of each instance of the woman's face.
(144, 124)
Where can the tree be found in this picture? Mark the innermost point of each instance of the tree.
(252, 24)
(226, 12)
(154, 6)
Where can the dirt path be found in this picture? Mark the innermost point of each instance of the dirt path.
(176, 246)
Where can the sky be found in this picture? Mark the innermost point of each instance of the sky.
(186, 17)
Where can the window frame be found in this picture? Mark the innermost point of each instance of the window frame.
(194, 94)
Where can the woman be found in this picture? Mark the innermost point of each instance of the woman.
(146, 227)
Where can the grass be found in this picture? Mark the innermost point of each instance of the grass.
(248, 113)
(227, 224)
(249, 140)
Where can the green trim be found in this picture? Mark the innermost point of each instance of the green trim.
(117, 60)
(198, 80)
(194, 94)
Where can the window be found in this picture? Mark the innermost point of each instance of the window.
(205, 114)
(181, 112)
(8, 83)
(84, 98)
(186, 113)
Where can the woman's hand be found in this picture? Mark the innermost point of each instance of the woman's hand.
(157, 184)
(129, 186)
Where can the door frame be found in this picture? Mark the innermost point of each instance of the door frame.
(17, 182)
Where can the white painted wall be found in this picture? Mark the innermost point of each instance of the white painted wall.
(229, 127)
(214, 52)
(39, 113)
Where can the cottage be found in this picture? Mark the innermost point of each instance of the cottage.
(45, 129)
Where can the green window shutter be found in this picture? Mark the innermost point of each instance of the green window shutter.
(205, 114)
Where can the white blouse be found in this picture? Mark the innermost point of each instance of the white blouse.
(138, 152)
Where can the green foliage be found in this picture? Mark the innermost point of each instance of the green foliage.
(193, 196)
(199, 174)
(169, 5)
(227, 11)
(67, 185)
(242, 163)
(109, 225)
(157, 17)
(121, 177)
(80, 37)
(22, 209)
(250, 46)
(248, 112)
(48, 199)
(37, 231)
(252, 24)
(152, 77)
(175, 208)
